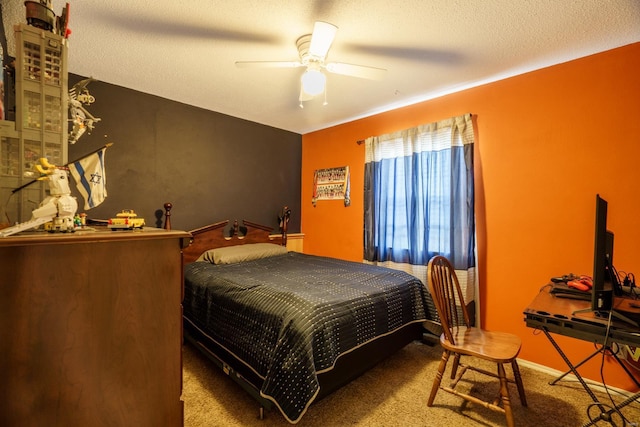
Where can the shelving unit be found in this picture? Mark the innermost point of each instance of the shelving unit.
(41, 127)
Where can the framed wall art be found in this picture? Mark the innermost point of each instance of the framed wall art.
(331, 184)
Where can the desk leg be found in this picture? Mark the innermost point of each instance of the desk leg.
(570, 365)
(608, 351)
(575, 367)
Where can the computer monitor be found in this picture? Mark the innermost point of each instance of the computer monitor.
(604, 277)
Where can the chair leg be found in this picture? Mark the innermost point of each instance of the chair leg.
(518, 379)
(438, 379)
(456, 364)
(504, 395)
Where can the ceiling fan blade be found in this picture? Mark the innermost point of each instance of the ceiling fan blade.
(268, 64)
(321, 38)
(361, 71)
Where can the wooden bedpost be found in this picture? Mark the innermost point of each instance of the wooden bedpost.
(167, 216)
(284, 224)
(235, 230)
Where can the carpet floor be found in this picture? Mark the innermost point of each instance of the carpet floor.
(394, 393)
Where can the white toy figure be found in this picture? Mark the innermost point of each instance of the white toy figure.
(59, 207)
(82, 121)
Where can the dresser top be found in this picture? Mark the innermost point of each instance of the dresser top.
(92, 234)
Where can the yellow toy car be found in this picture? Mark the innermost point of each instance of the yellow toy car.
(126, 220)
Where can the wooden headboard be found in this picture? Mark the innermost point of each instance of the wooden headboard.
(218, 235)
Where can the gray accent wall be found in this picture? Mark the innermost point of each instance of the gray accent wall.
(210, 166)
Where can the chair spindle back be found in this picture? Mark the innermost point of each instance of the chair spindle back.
(447, 295)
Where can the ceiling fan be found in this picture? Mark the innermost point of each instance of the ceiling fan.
(313, 49)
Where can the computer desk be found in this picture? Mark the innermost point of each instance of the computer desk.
(569, 317)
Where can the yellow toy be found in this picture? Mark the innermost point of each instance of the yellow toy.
(126, 220)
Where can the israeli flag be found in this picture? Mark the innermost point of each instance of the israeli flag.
(89, 174)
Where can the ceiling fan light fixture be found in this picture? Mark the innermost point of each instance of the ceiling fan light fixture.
(313, 82)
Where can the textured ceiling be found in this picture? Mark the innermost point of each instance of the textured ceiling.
(186, 50)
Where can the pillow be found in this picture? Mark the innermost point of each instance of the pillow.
(239, 253)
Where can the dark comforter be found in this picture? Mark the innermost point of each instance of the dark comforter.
(289, 317)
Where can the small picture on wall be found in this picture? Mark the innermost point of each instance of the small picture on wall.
(331, 184)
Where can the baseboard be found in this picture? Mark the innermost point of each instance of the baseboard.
(555, 373)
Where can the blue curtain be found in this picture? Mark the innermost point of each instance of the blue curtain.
(419, 195)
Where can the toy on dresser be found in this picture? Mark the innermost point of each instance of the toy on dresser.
(58, 208)
(126, 220)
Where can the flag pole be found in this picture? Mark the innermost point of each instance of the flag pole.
(107, 145)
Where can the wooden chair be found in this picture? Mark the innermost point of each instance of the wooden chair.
(461, 339)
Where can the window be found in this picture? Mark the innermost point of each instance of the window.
(419, 195)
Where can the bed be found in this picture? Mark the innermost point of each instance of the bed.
(291, 328)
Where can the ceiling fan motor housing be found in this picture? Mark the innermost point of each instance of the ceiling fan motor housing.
(303, 44)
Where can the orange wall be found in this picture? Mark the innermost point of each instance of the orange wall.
(546, 143)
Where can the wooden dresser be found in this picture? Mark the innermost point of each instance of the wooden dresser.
(91, 328)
